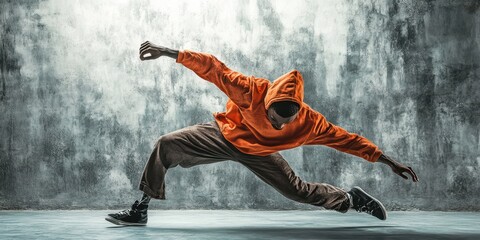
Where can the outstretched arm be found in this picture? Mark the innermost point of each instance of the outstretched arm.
(235, 85)
(328, 134)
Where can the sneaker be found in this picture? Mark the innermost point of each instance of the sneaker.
(362, 202)
(136, 216)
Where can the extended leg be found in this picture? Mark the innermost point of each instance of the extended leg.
(276, 172)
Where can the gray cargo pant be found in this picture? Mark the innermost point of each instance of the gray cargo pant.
(204, 143)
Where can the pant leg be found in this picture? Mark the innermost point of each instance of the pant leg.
(275, 171)
(187, 147)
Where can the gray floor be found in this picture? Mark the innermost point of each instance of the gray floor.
(206, 224)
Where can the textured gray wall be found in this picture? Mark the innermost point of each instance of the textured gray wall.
(80, 113)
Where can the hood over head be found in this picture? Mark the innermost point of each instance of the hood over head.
(288, 87)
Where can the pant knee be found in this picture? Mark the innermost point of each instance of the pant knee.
(165, 142)
(163, 151)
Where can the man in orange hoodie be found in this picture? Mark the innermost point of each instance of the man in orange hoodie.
(261, 119)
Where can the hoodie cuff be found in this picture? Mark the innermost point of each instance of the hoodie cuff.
(181, 55)
(375, 156)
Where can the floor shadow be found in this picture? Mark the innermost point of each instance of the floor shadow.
(356, 232)
(124, 226)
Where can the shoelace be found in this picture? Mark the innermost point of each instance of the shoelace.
(129, 211)
(125, 212)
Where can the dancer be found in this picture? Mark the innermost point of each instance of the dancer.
(261, 119)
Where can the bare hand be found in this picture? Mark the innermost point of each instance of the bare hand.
(398, 168)
(401, 169)
(150, 51)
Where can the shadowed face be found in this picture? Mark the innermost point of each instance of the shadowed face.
(277, 121)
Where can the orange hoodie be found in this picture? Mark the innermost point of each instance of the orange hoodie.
(245, 123)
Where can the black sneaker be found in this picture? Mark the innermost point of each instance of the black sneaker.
(362, 202)
(137, 216)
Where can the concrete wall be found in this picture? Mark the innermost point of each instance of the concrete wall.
(80, 113)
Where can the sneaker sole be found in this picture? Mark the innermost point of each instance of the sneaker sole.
(376, 200)
(120, 222)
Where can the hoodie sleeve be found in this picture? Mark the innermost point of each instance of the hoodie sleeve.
(235, 85)
(328, 134)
